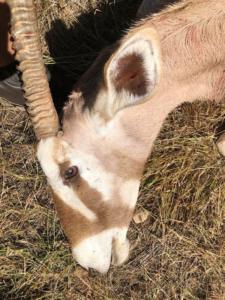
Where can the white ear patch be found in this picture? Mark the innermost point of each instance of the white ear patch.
(46, 151)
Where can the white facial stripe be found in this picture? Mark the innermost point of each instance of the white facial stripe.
(45, 153)
(70, 198)
(104, 182)
(94, 174)
(96, 251)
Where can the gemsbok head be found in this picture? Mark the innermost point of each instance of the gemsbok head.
(94, 163)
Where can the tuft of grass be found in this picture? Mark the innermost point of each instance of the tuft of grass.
(178, 253)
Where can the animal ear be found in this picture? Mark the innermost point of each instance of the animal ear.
(133, 70)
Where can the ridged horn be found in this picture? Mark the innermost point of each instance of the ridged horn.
(35, 84)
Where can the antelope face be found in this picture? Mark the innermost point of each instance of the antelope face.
(95, 190)
(94, 167)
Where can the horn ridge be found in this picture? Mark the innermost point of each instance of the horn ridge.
(35, 84)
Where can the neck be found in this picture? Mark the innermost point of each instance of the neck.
(193, 63)
(143, 122)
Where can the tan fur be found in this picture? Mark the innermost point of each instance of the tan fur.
(77, 227)
(191, 34)
(109, 215)
(191, 38)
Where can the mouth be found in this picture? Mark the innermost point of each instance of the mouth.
(99, 251)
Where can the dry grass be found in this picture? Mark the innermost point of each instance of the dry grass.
(178, 253)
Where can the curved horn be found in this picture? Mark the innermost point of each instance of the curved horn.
(35, 84)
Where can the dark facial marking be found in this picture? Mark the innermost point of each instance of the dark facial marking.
(109, 215)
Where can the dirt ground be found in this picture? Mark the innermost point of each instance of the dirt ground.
(179, 252)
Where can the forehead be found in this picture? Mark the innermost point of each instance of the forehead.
(112, 147)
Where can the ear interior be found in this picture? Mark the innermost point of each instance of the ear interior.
(131, 74)
(134, 69)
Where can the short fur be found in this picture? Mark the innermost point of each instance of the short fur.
(188, 41)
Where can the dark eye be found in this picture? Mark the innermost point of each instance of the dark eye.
(71, 172)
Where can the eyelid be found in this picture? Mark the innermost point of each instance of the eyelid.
(71, 172)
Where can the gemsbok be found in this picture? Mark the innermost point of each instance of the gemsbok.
(94, 162)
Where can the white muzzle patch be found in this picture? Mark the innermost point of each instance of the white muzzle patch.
(96, 251)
